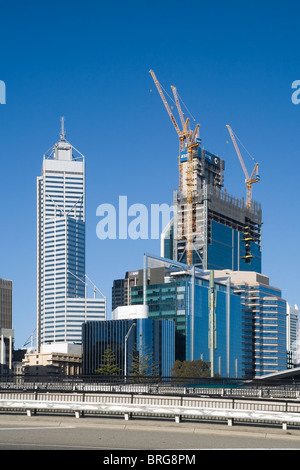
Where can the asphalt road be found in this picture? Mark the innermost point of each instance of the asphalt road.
(19, 432)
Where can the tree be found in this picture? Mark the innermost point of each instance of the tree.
(197, 368)
(143, 361)
(108, 365)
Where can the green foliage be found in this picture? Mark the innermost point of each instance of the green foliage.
(108, 365)
(143, 362)
(197, 368)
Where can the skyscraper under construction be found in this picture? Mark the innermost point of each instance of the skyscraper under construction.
(210, 228)
(226, 233)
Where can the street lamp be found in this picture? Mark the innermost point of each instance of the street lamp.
(125, 352)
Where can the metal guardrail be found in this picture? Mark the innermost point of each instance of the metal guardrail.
(179, 406)
(155, 386)
(129, 409)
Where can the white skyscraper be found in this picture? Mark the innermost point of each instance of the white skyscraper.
(62, 302)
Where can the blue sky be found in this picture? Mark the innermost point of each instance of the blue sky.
(232, 62)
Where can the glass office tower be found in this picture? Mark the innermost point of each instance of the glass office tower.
(6, 331)
(5, 303)
(152, 341)
(183, 298)
(62, 303)
(264, 317)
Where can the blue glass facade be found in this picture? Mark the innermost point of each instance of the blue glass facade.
(272, 337)
(165, 302)
(152, 340)
(264, 326)
(228, 250)
(174, 301)
(228, 339)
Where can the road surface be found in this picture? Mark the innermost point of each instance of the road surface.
(21, 432)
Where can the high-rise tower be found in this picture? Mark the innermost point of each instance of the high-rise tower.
(210, 228)
(62, 303)
(226, 233)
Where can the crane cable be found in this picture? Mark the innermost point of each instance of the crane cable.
(186, 107)
(180, 100)
(244, 147)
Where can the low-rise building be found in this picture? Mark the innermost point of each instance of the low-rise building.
(61, 359)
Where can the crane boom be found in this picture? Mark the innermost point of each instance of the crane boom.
(190, 140)
(195, 134)
(165, 102)
(249, 180)
(238, 151)
(174, 89)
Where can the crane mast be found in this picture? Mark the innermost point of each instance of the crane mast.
(189, 140)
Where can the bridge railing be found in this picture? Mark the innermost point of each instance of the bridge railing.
(153, 385)
(271, 412)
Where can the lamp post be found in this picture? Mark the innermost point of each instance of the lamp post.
(212, 339)
(125, 351)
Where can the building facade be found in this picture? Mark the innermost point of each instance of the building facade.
(292, 343)
(121, 290)
(48, 363)
(184, 298)
(6, 331)
(256, 331)
(264, 318)
(152, 341)
(6, 288)
(62, 301)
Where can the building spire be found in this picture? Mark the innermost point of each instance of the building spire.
(62, 132)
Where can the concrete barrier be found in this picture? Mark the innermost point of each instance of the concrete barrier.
(177, 412)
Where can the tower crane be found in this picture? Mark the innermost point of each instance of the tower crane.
(183, 134)
(187, 139)
(174, 89)
(253, 178)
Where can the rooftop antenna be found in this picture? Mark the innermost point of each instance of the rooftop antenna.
(62, 133)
